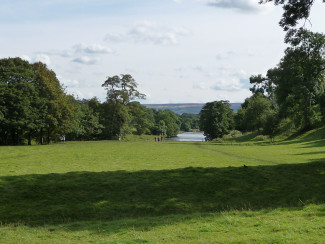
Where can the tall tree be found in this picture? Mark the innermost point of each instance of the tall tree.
(32, 102)
(299, 78)
(18, 101)
(120, 91)
(55, 111)
(216, 119)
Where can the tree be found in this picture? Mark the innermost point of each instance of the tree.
(216, 119)
(293, 11)
(122, 89)
(141, 118)
(85, 121)
(18, 101)
(115, 118)
(264, 85)
(189, 121)
(258, 109)
(55, 111)
(300, 78)
(296, 85)
(161, 128)
(167, 121)
(271, 126)
(240, 120)
(115, 113)
(32, 102)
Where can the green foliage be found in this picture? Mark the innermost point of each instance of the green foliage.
(32, 103)
(85, 121)
(122, 89)
(255, 113)
(115, 118)
(262, 85)
(271, 125)
(216, 119)
(293, 11)
(141, 118)
(55, 110)
(18, 100)
(300, 80)
(116, 114)
(189, 122)
(167, 123)
(296, 85)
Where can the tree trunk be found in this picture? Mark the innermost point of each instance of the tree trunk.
(48, 135)
(29, 138)
(41, 136)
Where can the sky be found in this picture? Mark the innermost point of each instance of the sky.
(178, 51)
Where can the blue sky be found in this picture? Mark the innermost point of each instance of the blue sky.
(177, 50)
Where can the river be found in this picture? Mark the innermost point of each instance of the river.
(189, 136)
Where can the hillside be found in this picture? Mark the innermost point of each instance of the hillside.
(180, 108)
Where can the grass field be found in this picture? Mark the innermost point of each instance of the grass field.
(170, 192)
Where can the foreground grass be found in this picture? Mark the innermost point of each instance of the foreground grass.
(137, 192)
(302, 225)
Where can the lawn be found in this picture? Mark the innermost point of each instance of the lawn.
(170, 192)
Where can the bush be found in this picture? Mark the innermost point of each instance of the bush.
(261, 138)
(287, 127)
(232, 134)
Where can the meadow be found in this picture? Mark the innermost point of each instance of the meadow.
(141, 191)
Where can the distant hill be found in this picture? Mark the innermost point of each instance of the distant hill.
(191, 108)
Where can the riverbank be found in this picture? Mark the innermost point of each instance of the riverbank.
(189, 136)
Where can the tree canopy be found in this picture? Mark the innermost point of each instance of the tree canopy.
(122, 89)
(32, 103)
(216, 119)
(293, 11)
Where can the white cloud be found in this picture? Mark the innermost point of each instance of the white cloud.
(199, 86)
(42, 58)
(246, 6)
(26, 58)
(70, 83)
(227, 85)
(64, 53)
(91, 49)
(150, 32)
(234, 54)
(86, 60)
(225, 55)
(231, 80)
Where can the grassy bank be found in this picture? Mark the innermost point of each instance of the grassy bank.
(142, 191)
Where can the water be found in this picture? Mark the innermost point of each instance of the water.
(189, 136)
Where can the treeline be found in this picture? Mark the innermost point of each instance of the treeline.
(289, 97)
(35, 107)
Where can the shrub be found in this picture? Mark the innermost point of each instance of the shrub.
(261, 138)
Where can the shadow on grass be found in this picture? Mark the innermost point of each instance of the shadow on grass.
(311, 153)
(104, 196)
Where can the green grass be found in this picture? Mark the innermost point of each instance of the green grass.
(170, 192)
